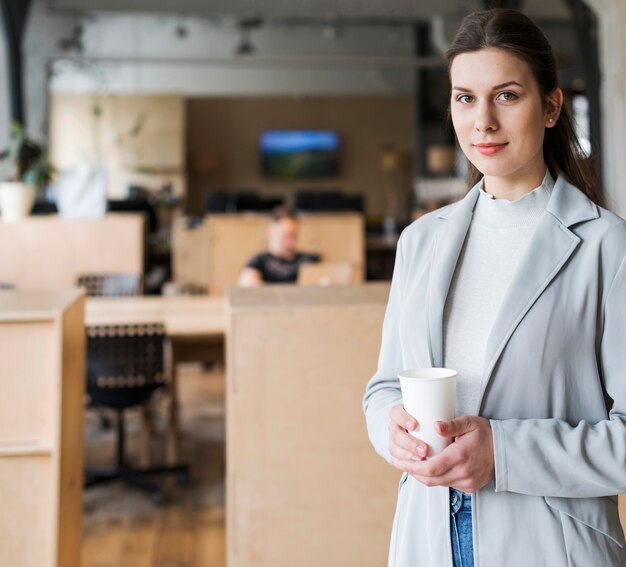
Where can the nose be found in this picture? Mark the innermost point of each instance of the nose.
(486, 120)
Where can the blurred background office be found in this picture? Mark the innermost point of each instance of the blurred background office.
(174, 131)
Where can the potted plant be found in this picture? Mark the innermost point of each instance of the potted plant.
(25, 170)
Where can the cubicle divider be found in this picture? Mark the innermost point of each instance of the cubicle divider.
(42, 365)
(212, 255)
(304, 486)
(49, 252)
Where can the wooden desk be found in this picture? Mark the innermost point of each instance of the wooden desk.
(195, 327)
(42, 368)
(183, 316)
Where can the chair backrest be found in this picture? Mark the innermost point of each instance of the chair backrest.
(326, 273)
(110, 285)
(124, 363)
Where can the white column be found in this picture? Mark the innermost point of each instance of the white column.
(611, 16)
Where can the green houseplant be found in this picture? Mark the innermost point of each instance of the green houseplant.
(25, 170)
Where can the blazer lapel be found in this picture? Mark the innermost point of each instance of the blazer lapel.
(549, 249)
(455, 224)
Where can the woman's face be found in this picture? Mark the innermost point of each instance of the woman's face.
(500, 118)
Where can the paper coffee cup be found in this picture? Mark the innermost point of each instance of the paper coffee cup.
(429, 395)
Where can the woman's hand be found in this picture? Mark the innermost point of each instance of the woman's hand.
(466, 464)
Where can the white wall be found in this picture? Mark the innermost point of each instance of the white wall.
(611, 16)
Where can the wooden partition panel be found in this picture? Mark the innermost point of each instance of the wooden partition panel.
(232, 239)
(42, 368)
(304, 485)
(48, 252)
(340, 237)
(140, 138)
(622, 511)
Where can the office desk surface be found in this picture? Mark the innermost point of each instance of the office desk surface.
(288, 296)
(36, 305)
(186, 316)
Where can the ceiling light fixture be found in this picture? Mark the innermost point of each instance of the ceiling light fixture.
(246, 26)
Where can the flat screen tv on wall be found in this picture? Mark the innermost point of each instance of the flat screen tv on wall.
(299, 154)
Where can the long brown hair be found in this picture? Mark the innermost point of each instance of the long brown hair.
(516, 33)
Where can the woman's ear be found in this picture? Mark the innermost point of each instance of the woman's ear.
(554, 103)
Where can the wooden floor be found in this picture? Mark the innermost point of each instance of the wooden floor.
(121, 526)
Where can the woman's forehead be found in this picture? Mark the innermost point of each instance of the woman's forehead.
(489, 67)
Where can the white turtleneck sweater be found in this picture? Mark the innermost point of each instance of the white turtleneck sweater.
(498, 236)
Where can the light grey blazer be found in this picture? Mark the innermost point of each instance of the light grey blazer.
(555, 362)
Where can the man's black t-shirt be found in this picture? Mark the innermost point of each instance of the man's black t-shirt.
(278, 270)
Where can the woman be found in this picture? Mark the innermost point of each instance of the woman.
(521, 287)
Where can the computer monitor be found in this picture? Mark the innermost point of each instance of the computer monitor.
(230, 201)
(326, 201)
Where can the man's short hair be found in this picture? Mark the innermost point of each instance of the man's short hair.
(283, 212)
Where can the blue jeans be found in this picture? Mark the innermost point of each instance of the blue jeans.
(461, 528)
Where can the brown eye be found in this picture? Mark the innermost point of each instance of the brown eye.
(465, 99)
(507, 96)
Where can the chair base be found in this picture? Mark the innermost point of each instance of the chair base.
(137, 478)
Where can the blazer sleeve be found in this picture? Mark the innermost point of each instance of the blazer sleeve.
(549, 457)
(383, 389)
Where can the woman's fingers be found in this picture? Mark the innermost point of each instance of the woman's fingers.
(402, 454)
(402, 444)
(398, 437)
(402, 418)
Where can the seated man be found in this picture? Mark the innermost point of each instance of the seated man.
(280, 264)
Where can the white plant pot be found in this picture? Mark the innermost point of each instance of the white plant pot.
(16, 200)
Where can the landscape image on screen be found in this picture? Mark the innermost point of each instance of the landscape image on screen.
(299, 154)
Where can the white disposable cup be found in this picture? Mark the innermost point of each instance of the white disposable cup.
(429, 395)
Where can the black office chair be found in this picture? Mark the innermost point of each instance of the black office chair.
(110, 285)
(124, 367)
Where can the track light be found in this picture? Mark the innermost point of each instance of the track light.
(245, 45)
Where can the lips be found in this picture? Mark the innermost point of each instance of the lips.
(489, 149)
